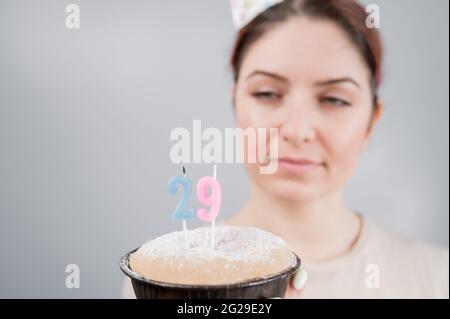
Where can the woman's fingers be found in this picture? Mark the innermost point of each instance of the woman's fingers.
(299, 280)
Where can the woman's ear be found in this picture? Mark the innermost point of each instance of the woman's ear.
(376, 116)
(233, 94)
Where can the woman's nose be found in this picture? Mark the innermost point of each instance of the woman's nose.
(298, 125)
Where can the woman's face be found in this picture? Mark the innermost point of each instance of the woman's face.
(307, 79)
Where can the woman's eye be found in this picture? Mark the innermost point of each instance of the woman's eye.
(267, 95)
(334, 101)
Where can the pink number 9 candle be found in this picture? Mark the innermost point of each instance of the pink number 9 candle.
(213, 200)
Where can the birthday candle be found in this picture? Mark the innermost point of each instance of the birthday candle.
(212, 200)
(180, 212)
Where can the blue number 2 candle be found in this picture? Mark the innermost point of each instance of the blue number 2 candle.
(181, 213)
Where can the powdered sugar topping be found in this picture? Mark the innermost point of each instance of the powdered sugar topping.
(246, 244)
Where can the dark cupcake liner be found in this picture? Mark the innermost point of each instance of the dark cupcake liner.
(272, 286)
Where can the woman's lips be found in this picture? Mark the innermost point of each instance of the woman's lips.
(298, 165)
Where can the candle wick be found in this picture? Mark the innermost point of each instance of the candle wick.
(184, 170)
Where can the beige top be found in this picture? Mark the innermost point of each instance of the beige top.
(380, 265)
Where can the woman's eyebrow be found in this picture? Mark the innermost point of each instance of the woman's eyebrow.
(269, 74)
(338, 80)
(320, 83)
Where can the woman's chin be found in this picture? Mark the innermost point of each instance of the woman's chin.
(292, 191)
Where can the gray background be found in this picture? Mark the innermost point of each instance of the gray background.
(85, 118)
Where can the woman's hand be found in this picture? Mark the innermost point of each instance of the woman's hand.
(297, 284)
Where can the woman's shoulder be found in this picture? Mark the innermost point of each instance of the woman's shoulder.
(410, 258)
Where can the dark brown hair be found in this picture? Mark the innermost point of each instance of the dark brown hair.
(348, 14)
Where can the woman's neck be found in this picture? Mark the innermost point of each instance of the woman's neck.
(318, 230)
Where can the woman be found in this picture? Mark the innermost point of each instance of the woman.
(311, 68)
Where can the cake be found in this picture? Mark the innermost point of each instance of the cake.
(240, 254)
